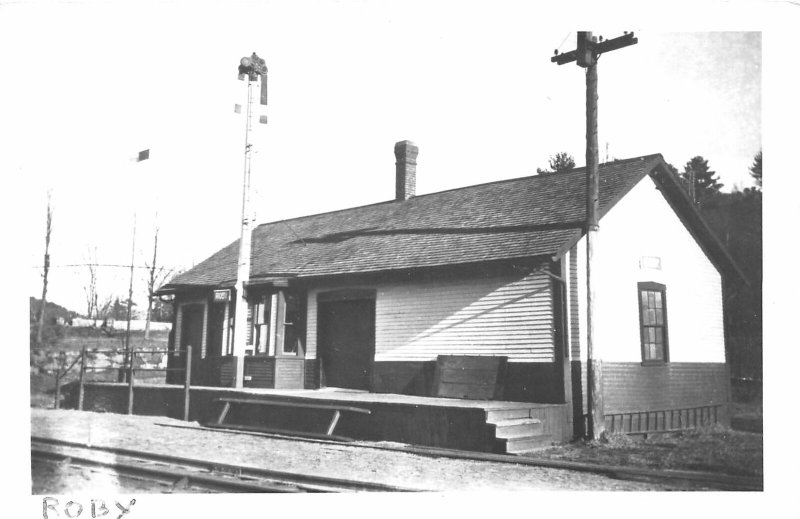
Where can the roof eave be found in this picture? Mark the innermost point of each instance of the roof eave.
(694, 221)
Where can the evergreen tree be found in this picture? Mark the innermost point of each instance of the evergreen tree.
(559, 162)
(706, 184)
(736, 219)
(755, 169)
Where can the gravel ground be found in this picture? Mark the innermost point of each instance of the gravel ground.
(356, 461)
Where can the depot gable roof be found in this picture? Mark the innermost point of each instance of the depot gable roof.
(526, 217)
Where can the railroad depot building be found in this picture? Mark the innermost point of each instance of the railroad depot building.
(401, 296)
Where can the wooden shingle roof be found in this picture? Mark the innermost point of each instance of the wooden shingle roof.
(520, 218)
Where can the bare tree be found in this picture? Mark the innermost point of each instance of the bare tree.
(157, 275)
(91, 289)
(48, 230)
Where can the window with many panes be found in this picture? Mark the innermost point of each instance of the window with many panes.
(258, 324)
(291, 323)
(653, 322)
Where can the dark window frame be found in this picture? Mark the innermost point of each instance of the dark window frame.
(650, 286)
(292, 317)
(258, 323)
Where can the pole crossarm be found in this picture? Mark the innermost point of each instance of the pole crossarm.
(597, 48)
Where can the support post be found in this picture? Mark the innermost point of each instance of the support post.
(595, 364)
(252, 69)
(187, 383)
(585, 55)
(131, 357)
(60, 372)
(243, 270)
(57, 403)
(80, 378)
(128, 351)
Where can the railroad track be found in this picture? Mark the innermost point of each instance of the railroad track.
(677, 479)
(220, 477)
(199, 475)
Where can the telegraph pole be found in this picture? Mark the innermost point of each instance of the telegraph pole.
(128, 352)
(586, 54)
(250, 69)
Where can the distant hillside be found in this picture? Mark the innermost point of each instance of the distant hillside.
(52, 312)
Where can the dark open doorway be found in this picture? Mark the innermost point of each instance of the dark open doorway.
(192, 332)
(346, 340)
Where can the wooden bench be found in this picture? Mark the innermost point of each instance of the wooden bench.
(335, 409)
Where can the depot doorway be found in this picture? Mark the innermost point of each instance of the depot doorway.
(346, 341)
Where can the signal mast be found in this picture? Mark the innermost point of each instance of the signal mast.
(252, 69)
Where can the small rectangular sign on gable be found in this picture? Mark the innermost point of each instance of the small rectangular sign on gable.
(650, 262)
(222, 295)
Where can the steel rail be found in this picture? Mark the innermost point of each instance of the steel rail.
(709, 479)
(229, 477)
(164, 474)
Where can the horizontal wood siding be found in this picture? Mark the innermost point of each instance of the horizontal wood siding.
(633, 389)
(213, 372)
(643, 240)
(289, 373)
(311, 326)
(574, 311)
(556, 421)
(533, 382)
(227, 371)
(311, 367)
(261, 371)
(501, 316)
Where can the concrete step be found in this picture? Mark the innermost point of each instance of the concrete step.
(507, 413)
(525, 444)
(517, 427)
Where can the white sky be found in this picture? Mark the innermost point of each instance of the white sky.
(470, 82)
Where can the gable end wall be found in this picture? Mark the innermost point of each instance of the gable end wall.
(643, 224)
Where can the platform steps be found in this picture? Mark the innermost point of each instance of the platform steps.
(516, 432)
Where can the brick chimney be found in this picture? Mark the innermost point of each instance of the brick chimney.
(406, 169)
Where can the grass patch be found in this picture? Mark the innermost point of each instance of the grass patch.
(710, 449)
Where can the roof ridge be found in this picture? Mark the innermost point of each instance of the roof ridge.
(516, 179)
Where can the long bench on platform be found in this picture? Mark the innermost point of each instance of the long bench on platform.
(336, 411)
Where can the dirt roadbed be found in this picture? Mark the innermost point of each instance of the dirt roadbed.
(352, 461)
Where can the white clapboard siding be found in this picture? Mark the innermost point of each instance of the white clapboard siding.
(509, 316)
(506, 316)
(643, 224)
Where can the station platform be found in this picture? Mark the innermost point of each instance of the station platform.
(478, 425)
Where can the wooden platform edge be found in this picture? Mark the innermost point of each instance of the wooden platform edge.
(284, 403)
(283, 432)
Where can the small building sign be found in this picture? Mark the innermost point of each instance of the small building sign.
(222, 295)
(650, 262)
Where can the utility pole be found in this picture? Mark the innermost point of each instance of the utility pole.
(252, 69)
(49, 228)
(586, 54)
(128, 352)
(151, 284)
